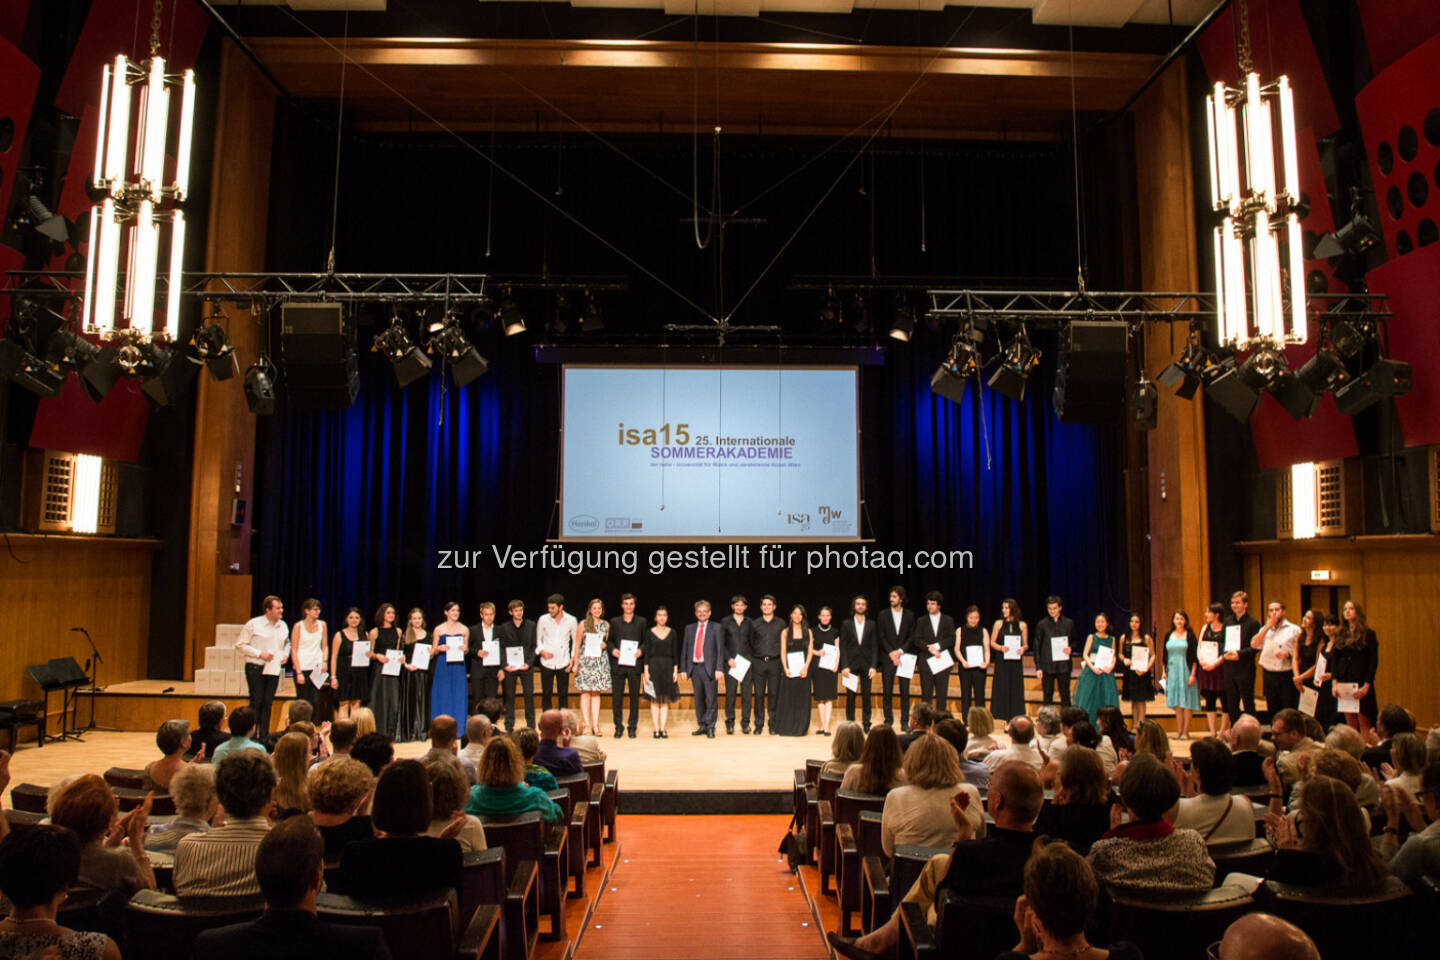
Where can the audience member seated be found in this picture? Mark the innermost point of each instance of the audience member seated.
(364, 722)
(1058, 903)
(554, 756)
(982, 729)
(1262, 936)
(339, 794)
(991, 866)
(173, 740)
(375, 750)
(1208, 807)
(1084, 734)
(586, 745)
(922, 721)
(1112, 728)
(1069, 717)
(343, 734)
(1151, 738)
(299, 711)
(953, 732)
(445, 744)
(401, 857)
(38, 866)
(221, 862)
(1420, 855)
(1147, 853)
(1287, 729)
(478, 731)
(1393, 720)
(849, 744)
(1080, 812)
(1346, 738)
(490, 707)
(112, 848)
(1325, 844)
(1407, 762)
(1245, 756)
(1022, 746)
(290, 868)
(193, 790)
(919, 812)
(211, 730)
(879, 769)
(449, 789)
(528, 740)
(1047, 730)
(242, 722)
(1338, 764)
(502, 791)
(292, 766)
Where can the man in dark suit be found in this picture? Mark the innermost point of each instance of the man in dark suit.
(1054, 673)
(934, 632)
(1239, 667)
(859, 648)
(627, 626)
(739, 640)
(290, 865)
(767, 642)
(700, 660)
(517, 633)
(896, 625)
(484, 681)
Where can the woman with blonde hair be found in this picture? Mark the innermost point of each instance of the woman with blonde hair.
(339, 792)
(592, 667)
(1150, 738)
(292, 767)
(918, 813)
(449, 791)
(982, 725)
(849, 744)
(364, 719)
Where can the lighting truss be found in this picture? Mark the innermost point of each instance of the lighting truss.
(1053, 308)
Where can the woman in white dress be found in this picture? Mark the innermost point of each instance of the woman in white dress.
(592, 673)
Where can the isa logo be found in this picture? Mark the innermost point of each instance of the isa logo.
(584, 523)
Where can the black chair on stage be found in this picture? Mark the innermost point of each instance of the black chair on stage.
(17, 714)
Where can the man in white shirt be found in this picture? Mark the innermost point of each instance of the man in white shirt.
(265, 643)
(1021, 749)
(555, 645)
(1276, 642)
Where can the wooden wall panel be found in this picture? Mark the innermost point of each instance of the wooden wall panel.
(1396, 580)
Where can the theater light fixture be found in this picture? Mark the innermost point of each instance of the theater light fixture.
(902, 327)
(212, 347)
(1016, 361)
(961, 363)
(260, 386)
(22, 367)
(459, 354)
(1267, 370)
(1188, 369)
(1325, 372)
(1354, 237)
(830, 309)
(1227, 386)
(85, 495)
(1387, 378)
(1144, 406)
(1259, 256)
(511, 317)
(592, 322)
(408, 360)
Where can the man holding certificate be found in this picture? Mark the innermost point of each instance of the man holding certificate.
(1055, 645)
(622, 643)
(483, 656)
(555, 644)
(517, 657)
(859, 647)
(933, 637)
(1239, 656)
(265, 643)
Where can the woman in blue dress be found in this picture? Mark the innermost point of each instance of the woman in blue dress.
(1096, 688)
(447, 682)
(1181, 660)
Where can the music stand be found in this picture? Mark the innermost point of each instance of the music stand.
(65, 675)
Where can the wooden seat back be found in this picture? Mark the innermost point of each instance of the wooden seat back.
(973, 928)
(164, 925)
(1252, 857)
(29, 797)
(1170, 924)
(127, 777)
(417, 928)
(1343, 921)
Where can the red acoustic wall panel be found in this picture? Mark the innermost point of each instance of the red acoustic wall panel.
(123, 26)
(1413, 285)
(18, 80)
(12, 19)
(1395, 27)
(114, 428)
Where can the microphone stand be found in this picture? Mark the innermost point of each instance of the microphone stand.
(94, 680)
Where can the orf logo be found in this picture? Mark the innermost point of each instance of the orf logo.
(584, 523)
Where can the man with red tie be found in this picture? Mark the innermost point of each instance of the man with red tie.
(700, 660)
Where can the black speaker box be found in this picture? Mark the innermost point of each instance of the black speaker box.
(1090, 377)
(317, 356)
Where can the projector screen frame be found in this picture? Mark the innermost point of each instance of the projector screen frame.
(858, 537)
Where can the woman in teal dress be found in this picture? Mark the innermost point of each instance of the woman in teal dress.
(1096, 688)
(1181, 660)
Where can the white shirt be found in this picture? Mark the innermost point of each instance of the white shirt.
(557, 636)
(1283, 637)
(935, 626)
(259, 635)
(1023, 752)
(312, 646)
(895, 615)
(859, 630)
(1233, 814)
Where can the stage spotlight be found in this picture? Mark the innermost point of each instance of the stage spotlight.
(162, 379)
(1324, 372)
(1347, 338)
(93, 365)
(1266, 370)
(38, 217)
(464, 360)
(1388, 378)
(1225, 384)
(860, 311)
(830, 310)
(408, 360)
(212, 347)
(483, 314)
(29, 371)
(1185, 374)
(558, 324)
(902, 327)
(961, 363)
(511, 317)
(260, 387)
(591, 322)
(1016, 362)
(1145, 406)
(1354, 238)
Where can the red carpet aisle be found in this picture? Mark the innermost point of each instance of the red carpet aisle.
(705, 888)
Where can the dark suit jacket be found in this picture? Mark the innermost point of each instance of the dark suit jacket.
(889, 639)
(291, 935)
(923, 636)
(714, 644)
(859, 654)
(513, 636)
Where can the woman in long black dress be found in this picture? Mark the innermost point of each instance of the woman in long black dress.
(415, 681)
(385, 690)
(822, 681)
(660, 656)
(792, 713)
(350, 685)
(1307, 653)
(1138, 686)
(1361, 638)
(1007, 690)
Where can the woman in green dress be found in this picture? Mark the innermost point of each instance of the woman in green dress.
(1096, 688)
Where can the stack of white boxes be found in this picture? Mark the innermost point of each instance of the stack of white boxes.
(224, 672)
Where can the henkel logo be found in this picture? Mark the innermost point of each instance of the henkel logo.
(584, 523)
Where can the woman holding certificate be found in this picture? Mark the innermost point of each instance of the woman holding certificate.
(1354, 663)
(415, 680)
(1179, 672)
(973, 658)
(1210, 677)
(448, 693)
(350, 683)
(1096, 688)
(308, 655)
(1138, 655)
(592, 667)
(823, 678)
(792, 711)
(660, 659)
(1009, 639)
(385, 645)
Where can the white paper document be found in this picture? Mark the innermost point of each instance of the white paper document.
(514, 656)
(975, 656)
(742, 667)
(594, 647)
(1209, 651)
(489, 653)
(420, 656)
(830, 657)
(1012, 646)
(1309, 701)
(1059, 648)
(1320, 667)
(941, 662)
(319, 677)
(851, 683)
(1232, 638)
(649, 690)
(628, 649)
(273, 666)
(1345, 699)
(1140, 659)
(795, 662)
(360, 654)
(905, 669)
(393, 660)
(1102, 657)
